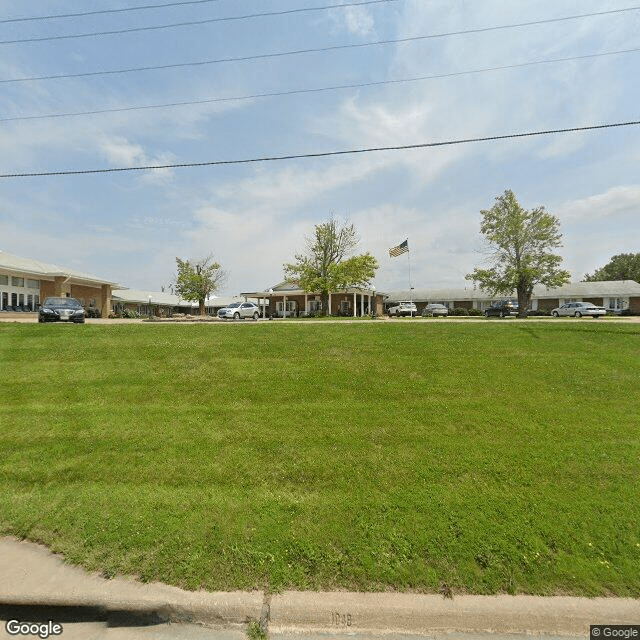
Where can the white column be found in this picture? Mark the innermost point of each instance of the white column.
(284, 307)
(361, 304)
(354, 304)
(306, 304)
(329, 303)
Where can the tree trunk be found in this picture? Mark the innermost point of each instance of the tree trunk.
(201, 307)
(524, 302)
(325, 303)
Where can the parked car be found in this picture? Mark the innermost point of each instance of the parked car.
(433, 310)
(61, 310)
(579, 309)
(502, 309)
(237, 310)
(403, 308)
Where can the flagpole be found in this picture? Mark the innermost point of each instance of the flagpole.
(410, 287)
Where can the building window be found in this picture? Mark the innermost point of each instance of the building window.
(618, 303)
(315, 305)
(291, 306)
(4, 279)
(5, 300)
(33, 284)
(17, 282)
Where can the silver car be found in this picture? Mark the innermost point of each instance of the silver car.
(403, 308)
(433, 310)
(237, 310)
(579, 309)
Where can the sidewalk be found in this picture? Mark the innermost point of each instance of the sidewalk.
(36, 585)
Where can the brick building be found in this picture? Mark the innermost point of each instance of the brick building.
(25, 283)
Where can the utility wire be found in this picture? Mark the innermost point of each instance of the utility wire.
(192, 23)
(103, 11)
(325, 154)
(305, 51)
(337, 87)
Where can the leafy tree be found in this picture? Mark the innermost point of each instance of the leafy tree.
(624, 266)
(518, 245)
(197, 281)
(328, 266)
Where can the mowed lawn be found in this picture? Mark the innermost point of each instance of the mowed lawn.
(487, 456)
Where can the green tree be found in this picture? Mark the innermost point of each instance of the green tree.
(197, 280)
(624, 266)
(327, 265)
(519, 243)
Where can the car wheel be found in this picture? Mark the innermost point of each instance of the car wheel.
(255, 315)
(236, 316)
(578, 315)
(486, 314)
(555, 314)
(502, 314)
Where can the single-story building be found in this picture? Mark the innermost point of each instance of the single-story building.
(159, 303)
(25, 283)
(615, 295)
(288, 299)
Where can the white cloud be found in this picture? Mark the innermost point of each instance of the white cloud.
(355, 20)
(119, 152)
(614, 203)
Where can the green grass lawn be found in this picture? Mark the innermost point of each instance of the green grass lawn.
(490, 456)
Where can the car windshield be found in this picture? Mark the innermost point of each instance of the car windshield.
(234, 305)
(62, 303)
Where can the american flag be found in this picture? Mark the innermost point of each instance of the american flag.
(403, 247)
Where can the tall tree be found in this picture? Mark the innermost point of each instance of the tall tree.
(327, 265)
(197, 280)
(519, 243)
(624, 266)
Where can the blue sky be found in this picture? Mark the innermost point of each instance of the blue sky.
(128, 227)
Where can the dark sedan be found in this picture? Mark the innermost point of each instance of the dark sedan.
(502, 309)
(61, 310)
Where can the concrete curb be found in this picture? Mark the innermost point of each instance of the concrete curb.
(33, 577)
(36, 580)
(386, 613)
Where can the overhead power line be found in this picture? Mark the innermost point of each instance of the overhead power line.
(290, 92)
(192, 23)
(324, 154)
(103, 11)
(280, 54)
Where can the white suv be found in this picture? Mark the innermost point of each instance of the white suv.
(403, 308)
(237, 310)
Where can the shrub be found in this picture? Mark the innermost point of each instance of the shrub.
(476, 312)
(459, 311)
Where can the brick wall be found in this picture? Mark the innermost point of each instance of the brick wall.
(548, 303)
